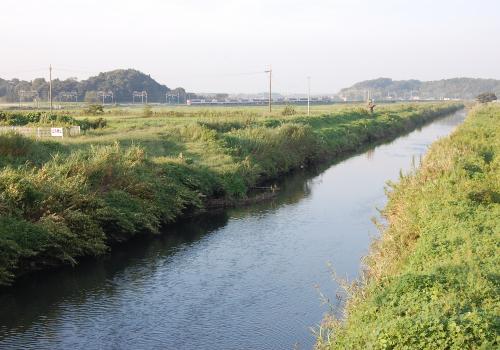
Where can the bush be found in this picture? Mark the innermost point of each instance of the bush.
(147, 112)
(288, 110)
(94, 109)
(35, 118)
(97, 123)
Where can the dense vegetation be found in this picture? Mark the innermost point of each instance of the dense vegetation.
(66, 199)
(122, 82)
(431, 280)
(461, 88)
(48, 119)
(486, 97)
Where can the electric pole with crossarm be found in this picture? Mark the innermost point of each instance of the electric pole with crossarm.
(50, 87)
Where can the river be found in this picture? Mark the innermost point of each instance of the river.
(244, 278)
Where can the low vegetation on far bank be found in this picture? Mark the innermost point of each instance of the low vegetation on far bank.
(431, 281)
(61, 200)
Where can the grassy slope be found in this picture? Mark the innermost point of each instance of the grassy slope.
(432, 279)
(63, 200)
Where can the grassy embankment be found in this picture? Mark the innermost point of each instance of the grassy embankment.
(432, 279)
(72, 198)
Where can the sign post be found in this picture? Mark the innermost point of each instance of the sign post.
(57, 132)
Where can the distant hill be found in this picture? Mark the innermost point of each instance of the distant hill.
(385, 88)
(122, 82)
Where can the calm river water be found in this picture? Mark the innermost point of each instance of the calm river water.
(240, 279)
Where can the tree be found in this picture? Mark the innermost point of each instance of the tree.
(122, 82)
(486, 97)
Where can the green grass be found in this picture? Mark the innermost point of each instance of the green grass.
(432, 279)
(60, 200)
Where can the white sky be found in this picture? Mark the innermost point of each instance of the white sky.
(212, 45)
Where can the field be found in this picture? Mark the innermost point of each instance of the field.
(73, 197)
(431, 281)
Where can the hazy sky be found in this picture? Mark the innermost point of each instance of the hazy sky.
(222, 45)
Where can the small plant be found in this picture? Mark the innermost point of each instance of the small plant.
(94, 109)
(289, 110)
(147, 112)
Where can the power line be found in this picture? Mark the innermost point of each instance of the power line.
(141, 94)
(105, 95)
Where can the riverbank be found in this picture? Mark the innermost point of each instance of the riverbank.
(431, 280)
(64, 200)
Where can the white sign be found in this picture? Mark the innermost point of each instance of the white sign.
(56, 132)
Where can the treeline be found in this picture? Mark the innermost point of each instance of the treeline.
(431, 281)
(385, 88)
(122, 83)
(59, 203)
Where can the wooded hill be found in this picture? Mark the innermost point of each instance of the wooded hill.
(388, 89)
(121, 82)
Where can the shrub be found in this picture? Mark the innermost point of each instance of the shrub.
(94, 109)
(147, 111)
(288, 110)
(35, 118)
(97, 123)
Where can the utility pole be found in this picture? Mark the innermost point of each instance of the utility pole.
(308, 96)
(50, 86)
(270, 71)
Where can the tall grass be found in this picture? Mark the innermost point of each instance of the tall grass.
(72, 198)
(431, 281)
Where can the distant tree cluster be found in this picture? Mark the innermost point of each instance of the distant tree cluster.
(122, 82)
(385, 88)
(486, 97)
